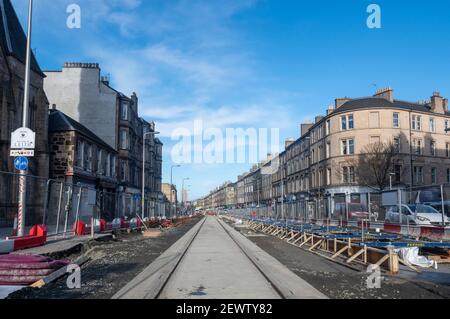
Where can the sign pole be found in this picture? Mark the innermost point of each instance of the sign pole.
(26, 100)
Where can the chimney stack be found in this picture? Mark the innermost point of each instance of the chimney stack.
(386, 93)
(330, 109)
(304, 128)
(318, 119)
(341, 101)
(445, 105)
(437, 103)
(289, 142)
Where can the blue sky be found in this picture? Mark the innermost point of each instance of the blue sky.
(247, 63)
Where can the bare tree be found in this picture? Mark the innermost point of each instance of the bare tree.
(374, 165)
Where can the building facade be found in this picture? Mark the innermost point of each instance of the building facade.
(85, 163)
(320, 163)
(12, 72)
(82, 93)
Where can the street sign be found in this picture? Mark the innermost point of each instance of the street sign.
(18, 153)
(21, 163)
(23, 138)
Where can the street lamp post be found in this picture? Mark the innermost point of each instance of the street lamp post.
(171, 191)
(143, 169)
(182, 190)
(21, 211)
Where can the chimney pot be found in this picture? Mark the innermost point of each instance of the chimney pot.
(386, 93)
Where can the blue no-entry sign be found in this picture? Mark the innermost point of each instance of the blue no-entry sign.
(21, 163)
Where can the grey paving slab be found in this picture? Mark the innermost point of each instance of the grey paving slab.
(216, 268)
(289, 284)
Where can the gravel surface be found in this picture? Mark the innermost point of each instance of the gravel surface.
(112, 266)
(339, 282)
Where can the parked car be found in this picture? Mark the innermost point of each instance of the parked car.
(355, 211)
(416, 214)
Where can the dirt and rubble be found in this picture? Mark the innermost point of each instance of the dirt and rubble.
(341, 282)
(112, 265)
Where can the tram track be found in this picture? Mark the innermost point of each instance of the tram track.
(213, 261)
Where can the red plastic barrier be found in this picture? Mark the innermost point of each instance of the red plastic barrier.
(435, 233)
(391, 228)
(36, 238)
(79, 228)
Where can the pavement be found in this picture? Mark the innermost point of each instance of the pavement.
(62, 246)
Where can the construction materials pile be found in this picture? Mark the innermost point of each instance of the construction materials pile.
(23, 270)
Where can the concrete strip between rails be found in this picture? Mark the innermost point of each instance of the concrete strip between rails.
(149, 282)
(285, 281)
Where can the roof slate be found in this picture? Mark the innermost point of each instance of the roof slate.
(13, 39)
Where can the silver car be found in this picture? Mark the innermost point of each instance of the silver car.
(416, 214)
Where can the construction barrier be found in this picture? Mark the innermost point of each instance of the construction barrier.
(36, 237)
(426, 232)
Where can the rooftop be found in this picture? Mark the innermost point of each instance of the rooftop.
(13, 39)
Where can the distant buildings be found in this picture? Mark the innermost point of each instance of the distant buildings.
(170, 194)
(321, 163)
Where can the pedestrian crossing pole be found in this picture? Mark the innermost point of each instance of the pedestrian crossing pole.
(21, 212)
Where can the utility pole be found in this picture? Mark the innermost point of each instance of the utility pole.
(182, 190)
(171, 190)
(143, 170)
(21, 212)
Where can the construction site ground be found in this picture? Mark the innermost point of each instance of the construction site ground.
(112, 265)
(115, 263)
(341, 282)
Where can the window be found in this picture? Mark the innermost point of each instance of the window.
(416, 122)
(418, 174)
(88, 157)
(328, 150)
(351, 122)
(397, 145)
(100, 162)
(329, 176)
(123, 139)
(328, 127)
(348, 175)
(432, 148)
(108, 165)
(344, 123)
(398, 173)
(447, 149)
(417, 145)
(396, 120)
(447, 125)
(124, 111)
(348, 147)
(433, 175)
(80, 154)
(432, 125)
(448, 175)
